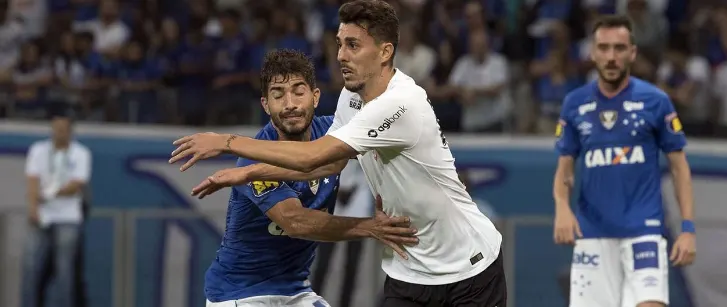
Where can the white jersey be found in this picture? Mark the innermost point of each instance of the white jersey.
(407, 161)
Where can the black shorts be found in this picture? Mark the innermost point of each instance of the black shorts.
(487, 289)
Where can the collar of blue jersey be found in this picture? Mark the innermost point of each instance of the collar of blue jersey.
(597, 91)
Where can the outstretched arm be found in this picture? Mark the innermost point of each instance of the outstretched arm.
(303, 157)
(290, 218)
(391, 122)
(261, 172)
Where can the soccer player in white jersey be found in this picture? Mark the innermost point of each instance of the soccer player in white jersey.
(386, 121)
(615, 128)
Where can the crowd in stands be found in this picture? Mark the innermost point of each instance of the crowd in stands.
(488, 65)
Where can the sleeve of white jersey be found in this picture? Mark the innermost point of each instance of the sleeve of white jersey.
(340, 106)
(393, 120)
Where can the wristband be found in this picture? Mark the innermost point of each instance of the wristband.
(688, 226)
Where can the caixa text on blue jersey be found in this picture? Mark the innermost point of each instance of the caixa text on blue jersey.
(614, 156)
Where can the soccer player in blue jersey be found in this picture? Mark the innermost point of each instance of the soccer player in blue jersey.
(614, 128)
(267, 249)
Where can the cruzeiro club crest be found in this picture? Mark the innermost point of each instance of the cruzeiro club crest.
(608, 118)
(313, 185)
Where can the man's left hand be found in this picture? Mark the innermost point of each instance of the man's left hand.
(684, 249)
(200, 146)
(221, 179)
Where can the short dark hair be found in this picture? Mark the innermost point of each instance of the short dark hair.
(286, 63)
(377, 17)
(60, 110)
(615, 21)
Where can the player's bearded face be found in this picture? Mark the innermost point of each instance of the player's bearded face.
(291, 106)
(358, 56)
(613, 53)
(614, 71)
(294, 122)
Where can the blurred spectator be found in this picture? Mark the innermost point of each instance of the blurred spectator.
(57, 171)
(92, 77)
(68, 69)
(685, 76)
(31, 79)
(481, 78)
(515, 59)
(328, 73)
(413, 57)
(553, 77)
(650, 31)
(441, 93)
(109, 31)
(201, 12)
(544, 15)
(193, 72)
(33, 13)
(11, 38)
(288, 33)
(656, 7)
(138, 78)
(84, 10)
(234, 102)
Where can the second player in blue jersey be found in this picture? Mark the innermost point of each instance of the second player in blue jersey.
(257, 257)
(614, 130)
(618, 141)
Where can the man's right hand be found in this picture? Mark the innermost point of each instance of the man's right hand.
(392, 231)
(566, 228)
(221, 179)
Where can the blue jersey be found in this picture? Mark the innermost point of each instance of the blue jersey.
(617, 144)
(256, 257)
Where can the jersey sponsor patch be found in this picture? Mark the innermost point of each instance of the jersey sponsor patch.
(392, 119)
(355, 103)
(559, 128)
(260, 188)
(673, 123)
(614, 156)
(646, 255)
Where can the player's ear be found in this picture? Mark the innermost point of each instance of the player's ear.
(264, 103)
(387, 52)
(634, 52)
(316, 96)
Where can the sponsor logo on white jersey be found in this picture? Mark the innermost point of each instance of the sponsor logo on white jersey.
(614, 156)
